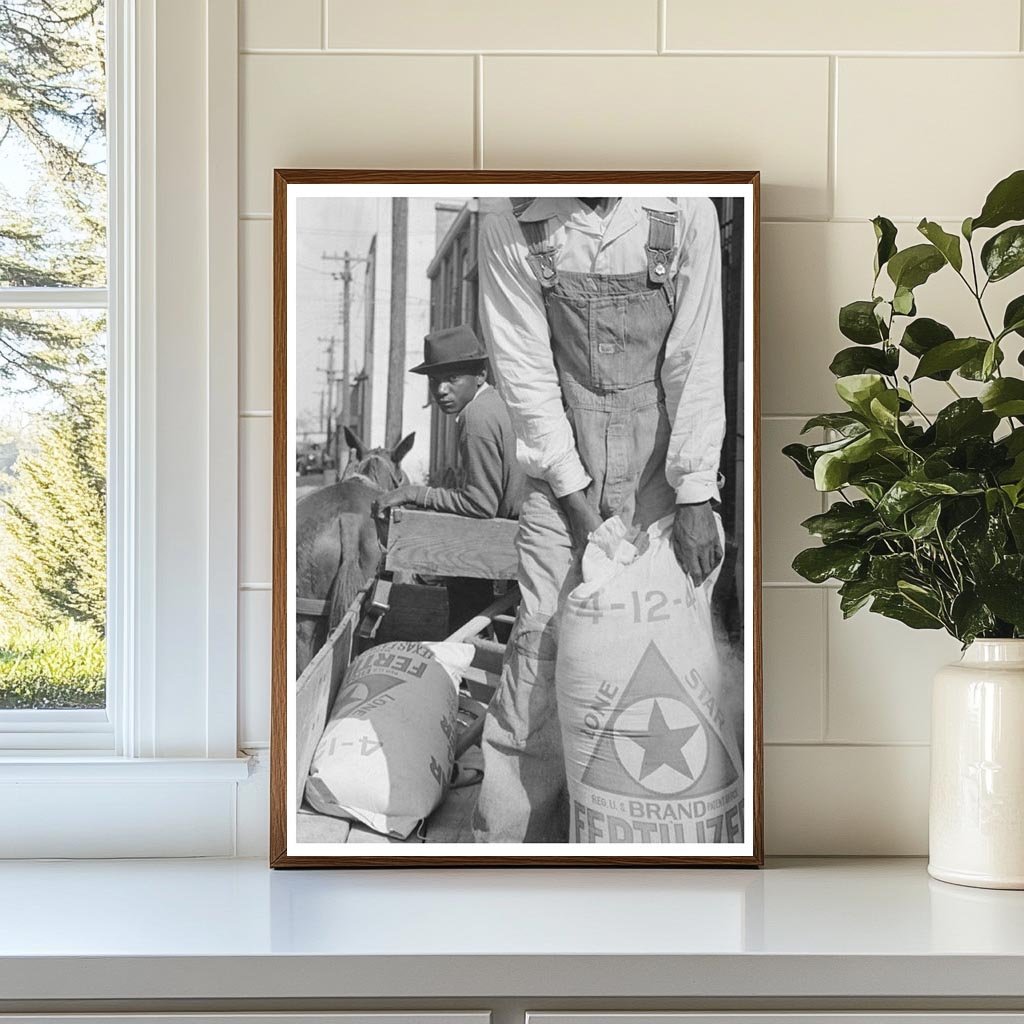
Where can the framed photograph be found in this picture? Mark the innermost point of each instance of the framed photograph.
(516, 559)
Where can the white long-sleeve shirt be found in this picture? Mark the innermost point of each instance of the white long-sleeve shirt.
(516, 330)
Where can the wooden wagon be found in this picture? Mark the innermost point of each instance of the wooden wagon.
(390, 607)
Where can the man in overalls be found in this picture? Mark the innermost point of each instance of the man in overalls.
(604, 322)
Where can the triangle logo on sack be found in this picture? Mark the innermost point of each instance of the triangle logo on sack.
(363, 690)
(658, 742)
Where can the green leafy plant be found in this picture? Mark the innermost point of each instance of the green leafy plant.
(927, 525)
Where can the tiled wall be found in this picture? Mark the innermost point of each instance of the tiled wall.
(908, 109)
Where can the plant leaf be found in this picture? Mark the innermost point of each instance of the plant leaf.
(1003, 254)
(925, 518)
(924, 334)
(974, 368)
(1004, 397)
(799, 455)
(849, 361)
(841, 421)
(913, 266)
(1005, 202)
(970, 617)
(1006, 599)
(858, 389)
(966, 417)
(857, 321)
(1013, 316)
(903, 302)
(906, 494)
(831, 471)
(885, 236)
(842, 521)
(947, 244)
(840, 561)
(949, 355)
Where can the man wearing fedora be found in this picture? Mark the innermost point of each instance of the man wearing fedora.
(490, 482)
(603, 317)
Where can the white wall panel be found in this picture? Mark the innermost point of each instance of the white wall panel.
(254, 624)
(962, 130)
(794, 663)
(261, 24)
(877, 25)
(351, 111)
(255, 338)
(255, 508)
(471, 25)
(846, 800)
(685, 113)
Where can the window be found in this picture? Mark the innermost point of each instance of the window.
(53, 370)
(155, 311)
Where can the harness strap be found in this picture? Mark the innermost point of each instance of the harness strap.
(541, 255)
(661, 243)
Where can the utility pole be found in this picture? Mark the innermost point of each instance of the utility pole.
(369, 315)
(345, 276)
(330, 443)
(396, 356)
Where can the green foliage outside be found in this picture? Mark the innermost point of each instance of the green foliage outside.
(52, 366)
(59, 667)
(927, 525)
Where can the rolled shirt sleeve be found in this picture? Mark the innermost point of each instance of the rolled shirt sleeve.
(516, 331)
(692, 373)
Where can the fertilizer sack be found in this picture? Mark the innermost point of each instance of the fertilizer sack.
(650, 752)
(386, 756)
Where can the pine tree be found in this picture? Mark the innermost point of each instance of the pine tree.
(53, 519)
(53, 123)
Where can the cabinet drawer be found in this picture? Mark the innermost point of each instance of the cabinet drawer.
(362, 1017)
(933, 1017)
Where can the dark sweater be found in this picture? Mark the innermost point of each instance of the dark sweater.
(491, 482)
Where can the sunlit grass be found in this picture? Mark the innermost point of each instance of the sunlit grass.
(60, 667)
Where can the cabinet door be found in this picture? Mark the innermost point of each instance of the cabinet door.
(934, 1017)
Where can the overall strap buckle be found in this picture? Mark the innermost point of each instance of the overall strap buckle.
(661, 243)
(542, 255)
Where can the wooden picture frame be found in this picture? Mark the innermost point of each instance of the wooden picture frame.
(432, 545)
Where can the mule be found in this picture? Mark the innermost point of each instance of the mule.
(336, 544)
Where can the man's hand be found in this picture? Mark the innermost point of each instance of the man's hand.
(583, 518)
(695, 541)
(410, 494)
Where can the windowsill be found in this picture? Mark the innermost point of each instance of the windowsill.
(821, 929)
(78, 766)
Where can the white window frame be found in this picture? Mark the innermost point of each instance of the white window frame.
(169, 734)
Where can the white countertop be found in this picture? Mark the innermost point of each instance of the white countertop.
(235, 929)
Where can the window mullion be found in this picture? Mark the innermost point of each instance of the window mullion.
(53, 298)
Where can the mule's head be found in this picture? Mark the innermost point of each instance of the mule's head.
(380, 466)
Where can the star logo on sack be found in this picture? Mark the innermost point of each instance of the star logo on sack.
(658, 741)
(667, 751)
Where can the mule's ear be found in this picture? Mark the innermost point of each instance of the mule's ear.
(401, 449)
(353, 440)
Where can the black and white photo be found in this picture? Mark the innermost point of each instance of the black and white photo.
(516, 568)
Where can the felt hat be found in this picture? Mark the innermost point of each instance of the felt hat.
(449, 347)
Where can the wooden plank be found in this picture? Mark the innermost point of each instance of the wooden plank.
(317, 687)
(446, 545)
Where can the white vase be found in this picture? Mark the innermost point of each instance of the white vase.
(976, 814)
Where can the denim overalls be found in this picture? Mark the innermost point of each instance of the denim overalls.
(608, 335)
